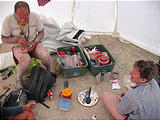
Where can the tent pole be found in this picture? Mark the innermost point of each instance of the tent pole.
(72, 13)
(116, 33)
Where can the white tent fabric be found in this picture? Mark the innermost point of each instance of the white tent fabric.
(6, 60)
(138, 21)
(55, 36)
(94, 15)
(51, 30)
(70, 34)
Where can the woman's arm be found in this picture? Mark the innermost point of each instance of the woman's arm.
(10, 111)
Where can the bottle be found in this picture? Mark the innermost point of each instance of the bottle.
(62, 54)
(66, 84)
(79, 60)
(73, 50)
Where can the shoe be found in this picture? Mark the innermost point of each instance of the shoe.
(18, 84)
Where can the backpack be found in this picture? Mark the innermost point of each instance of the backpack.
(14, 98)
(38, 84)
(4, 94)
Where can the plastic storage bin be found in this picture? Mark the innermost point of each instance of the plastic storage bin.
(72, 72)
(95, 70)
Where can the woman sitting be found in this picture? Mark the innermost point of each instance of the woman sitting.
(142, 102)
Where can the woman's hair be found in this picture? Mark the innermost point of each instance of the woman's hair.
(147, 69)
(21, 4)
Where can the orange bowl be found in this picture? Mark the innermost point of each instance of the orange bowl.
(66, 92)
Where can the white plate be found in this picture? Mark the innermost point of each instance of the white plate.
(93, 95)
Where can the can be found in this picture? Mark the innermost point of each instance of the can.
(50, 94)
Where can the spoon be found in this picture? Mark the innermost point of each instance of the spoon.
(88, 99)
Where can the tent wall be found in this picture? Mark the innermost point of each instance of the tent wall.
(138, 21)
(86, 17)
(95, 15)
(6, 8)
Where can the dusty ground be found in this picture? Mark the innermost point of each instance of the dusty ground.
(124, 54)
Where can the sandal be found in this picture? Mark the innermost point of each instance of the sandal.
(18, 84)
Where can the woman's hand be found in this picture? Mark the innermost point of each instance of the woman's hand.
(29, 106)
(123, 93)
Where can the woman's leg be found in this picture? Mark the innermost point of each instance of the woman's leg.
(111, 101)
(26, 115)
(42, 53)
(23, 64)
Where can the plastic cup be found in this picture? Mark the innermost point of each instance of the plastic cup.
(115, 74)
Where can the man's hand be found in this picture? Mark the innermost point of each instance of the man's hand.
(29, 106)
(32, 46)
(22, 41)
(24, 50)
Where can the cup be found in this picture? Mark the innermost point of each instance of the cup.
(126, 79)
(115, 74)
(107, 76)
(127, 82)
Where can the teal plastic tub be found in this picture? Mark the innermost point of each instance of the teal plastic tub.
(95, 70)
(73, 72)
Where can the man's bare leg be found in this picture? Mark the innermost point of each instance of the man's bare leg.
(24, 62)
(42, 53)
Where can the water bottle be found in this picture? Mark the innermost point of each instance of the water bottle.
(73, 50)
(66, 84)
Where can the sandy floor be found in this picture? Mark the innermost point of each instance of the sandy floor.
(124, 54)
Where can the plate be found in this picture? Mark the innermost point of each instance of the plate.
(93, 95)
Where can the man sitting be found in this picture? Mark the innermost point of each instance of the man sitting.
(24, 30)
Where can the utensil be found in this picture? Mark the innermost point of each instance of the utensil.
(19, 96)
(88, 99)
